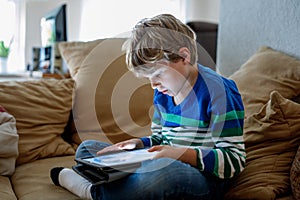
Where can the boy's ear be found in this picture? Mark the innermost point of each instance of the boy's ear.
(185, 53)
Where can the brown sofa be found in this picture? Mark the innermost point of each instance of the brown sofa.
(104, 101)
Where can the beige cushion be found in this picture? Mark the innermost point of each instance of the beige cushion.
(41, 109)
(295, 175)
(6, 191)
(272, 137)
(265, 71)
(8, 143)
(32, 180)
(74, 53)
(110, 103)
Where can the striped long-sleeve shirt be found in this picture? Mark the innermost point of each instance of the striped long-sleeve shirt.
(209, 120)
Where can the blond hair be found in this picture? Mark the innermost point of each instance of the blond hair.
(158, 38)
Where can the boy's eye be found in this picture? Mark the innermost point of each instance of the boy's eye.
(157, 75)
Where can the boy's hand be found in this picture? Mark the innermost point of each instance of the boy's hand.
(125, 145)
(186, 155)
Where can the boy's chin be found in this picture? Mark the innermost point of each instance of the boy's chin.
(167, 92)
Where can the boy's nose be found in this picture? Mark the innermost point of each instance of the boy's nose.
(154, 83)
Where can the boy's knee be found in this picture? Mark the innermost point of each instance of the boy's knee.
(89, 148)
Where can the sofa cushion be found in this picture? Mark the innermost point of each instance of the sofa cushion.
(42, 109)
(265, 71)
(6, 190)
(32, 180)
(295, 175)
(272, 137)
(8, 143)
(74, 53)
(110, 103)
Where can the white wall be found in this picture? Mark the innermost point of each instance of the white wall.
(201, 10)
(246, 25)
(111, 18)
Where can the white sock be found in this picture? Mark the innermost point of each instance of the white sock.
(75, 183)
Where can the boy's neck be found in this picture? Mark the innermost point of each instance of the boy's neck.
(188, 85)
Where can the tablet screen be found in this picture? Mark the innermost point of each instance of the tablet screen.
(121, 158)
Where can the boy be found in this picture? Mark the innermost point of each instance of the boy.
(197, 126)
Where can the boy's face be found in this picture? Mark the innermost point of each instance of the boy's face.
(169, 78)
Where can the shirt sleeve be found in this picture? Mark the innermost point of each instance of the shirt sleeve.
(227, 158)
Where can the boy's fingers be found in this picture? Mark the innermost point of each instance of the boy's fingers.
(155, 148)
(108, 149)
(127, 146)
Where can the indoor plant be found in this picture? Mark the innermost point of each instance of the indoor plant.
(4, 51)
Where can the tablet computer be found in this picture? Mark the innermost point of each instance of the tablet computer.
(111, 167)
(119, 160)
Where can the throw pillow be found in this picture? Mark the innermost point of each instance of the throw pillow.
(110, 103)
(74, 53)
(8, 143)
(295, 175)
(272, 137)
(265, 71)
(42, 110)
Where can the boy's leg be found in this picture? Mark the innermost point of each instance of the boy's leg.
(156, 179)
(69, 179)
(73, 182)
(163, 178)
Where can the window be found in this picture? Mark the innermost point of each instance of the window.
(8, 28)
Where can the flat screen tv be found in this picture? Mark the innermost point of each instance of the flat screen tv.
(54, 26)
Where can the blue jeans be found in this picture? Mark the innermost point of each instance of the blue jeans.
(163, 178)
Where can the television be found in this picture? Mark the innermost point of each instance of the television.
(53, 30)
(54, 26)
